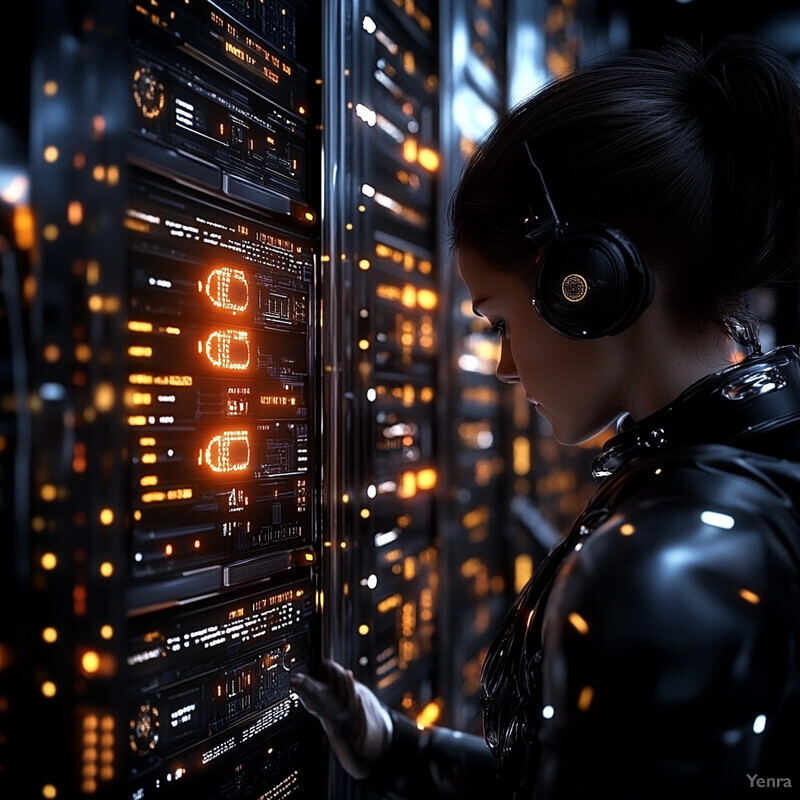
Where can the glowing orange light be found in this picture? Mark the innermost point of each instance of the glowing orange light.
(154, 497)
(75, 213)
(426, 479)
(228, 349)
(410, 150)
(90, 662)
(585, 698)
(578, 622)
(429, 715)
(408, 485)
(426, 299)
(227, 288)
(23, 224)
(429, 159)
(228, 452)
(751, 597)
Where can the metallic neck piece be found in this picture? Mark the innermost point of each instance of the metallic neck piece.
(748, 398)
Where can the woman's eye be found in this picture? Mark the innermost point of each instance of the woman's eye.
(496, 330)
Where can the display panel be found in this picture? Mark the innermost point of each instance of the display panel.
(215, 679)
(220, 447)
(215, 104)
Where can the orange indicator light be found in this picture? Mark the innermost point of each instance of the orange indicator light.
(228, 349)
(90, 663)
(140, 326)
(228, 452)
(426, 299)
(227, 288)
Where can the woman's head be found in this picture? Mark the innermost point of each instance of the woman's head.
(695, 158)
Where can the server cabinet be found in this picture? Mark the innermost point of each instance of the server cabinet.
(173, 529)
(382, 282)
(477, 420)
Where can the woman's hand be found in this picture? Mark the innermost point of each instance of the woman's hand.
(357, 724)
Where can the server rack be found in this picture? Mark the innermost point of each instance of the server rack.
(381, 260)
(477, 417)
(419, 568)
(173, 532)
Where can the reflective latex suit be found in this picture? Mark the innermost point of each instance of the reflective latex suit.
(656, 651)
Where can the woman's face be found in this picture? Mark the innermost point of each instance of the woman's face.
(577, 386)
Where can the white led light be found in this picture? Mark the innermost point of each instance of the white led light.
(386, 537)
(717, 520)
(368, 24)
(548, 711)
(367, 114)
(51, 391)
(759, 723)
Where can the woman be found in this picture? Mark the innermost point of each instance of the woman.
(610, 229)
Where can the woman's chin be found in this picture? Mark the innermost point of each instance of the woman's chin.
(570, 436)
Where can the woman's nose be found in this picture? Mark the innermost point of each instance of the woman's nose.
(506, 368)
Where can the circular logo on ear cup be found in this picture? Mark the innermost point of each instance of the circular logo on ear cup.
(574, 288)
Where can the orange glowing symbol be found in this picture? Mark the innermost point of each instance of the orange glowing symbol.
(228, 452)
(229, 349)
(227, 288)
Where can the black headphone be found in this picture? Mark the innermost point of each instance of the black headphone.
(590, 281)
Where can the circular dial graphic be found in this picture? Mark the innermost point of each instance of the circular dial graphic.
(148, 92)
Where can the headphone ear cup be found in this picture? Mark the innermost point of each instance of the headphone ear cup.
(591, 281)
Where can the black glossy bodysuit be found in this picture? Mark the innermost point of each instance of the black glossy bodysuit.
(656, 651)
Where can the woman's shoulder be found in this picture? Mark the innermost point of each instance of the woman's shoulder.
(708, 539)
(692, 496)
(691, 591)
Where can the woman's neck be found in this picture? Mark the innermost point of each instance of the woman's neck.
(669, 359)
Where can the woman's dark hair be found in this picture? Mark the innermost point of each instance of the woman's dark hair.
(695, 157)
